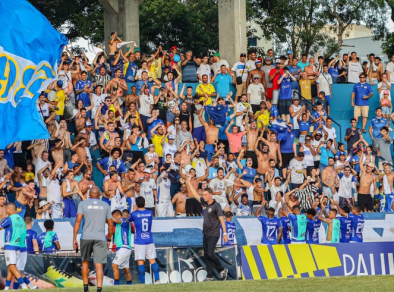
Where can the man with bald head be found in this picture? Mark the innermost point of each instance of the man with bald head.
(95, 214)
(15, 232)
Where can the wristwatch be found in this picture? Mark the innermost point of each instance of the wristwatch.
(225, 233)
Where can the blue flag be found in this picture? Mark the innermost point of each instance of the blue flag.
(29, 48)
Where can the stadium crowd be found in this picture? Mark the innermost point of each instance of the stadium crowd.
(135, 125)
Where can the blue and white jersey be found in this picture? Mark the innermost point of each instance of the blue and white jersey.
(30, 236)
(389, 202)
(382, 202)
(376, 125)
(357, 227)
(284, 223)
(285, 88)
(304, 126)
(163, 190)
(143, 225)
(346, 229)
(270, 229)
(312, 230)
(231, 228)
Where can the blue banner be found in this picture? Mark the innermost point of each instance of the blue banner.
(317, 260)
(29, 48)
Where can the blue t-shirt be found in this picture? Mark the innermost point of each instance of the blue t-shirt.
(361, 90)
(334, 72)
(152, 125)
(231, 228)
(286, 144)
(105, 164)
(250, 175)
(270, 229)
(325, 154)
(84, 96)
(285, 89)
(223, 82)
(292, 70)
(356, 159)
(376, 125)
(304, 126)
(131, 72)
(141, 83)
(50, 237)
(312, 231)
(316, 115)
(30, 236)
(274, 111)
(302, 65)
(284, 223)
(346, 229)
(143, 226)
(357, 227)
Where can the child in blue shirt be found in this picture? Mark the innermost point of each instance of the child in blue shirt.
(48, 240)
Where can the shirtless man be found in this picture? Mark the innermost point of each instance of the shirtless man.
(3, 163)
(116, 86)
(180, 200)
(367, 179)
(81, 121)
(108, 136)
(128, 183)
(113, 43)
(258, 193)
(330, 178)
(251, 137)
(375, 70)
(192, 174)
(262, 157)
(52, 125)
(86, 183)
(82, 151)
(24, 197)
(112, 187)
(69, 188)
(212, 134)
(37, 148)
(259, 72)
(291, 200)
(274, 147)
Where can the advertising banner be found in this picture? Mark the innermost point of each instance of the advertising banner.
(176, 265)
(317, 260)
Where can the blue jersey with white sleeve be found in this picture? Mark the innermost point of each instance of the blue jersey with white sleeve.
(312, 230)
(230, 228)
(357, 227)
(270, 229)
(284, 223)
(143, 225)
(346, 229)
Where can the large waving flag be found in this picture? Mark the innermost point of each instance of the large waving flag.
(29, 48)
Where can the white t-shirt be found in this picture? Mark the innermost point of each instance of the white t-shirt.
(43, 110)
(204, 69)
(139, 73)
(216, 66)
(390, 68)
(146, 191)
(251, 64)
(240, 108)
(354, 71)
(255, 91)
(200, 166)
(297, 171)
(53, 191)
(38, 165)
(169, 149)
(324, 80)
(241, 69)
(145, 102)
(97, 100)
(331, 133)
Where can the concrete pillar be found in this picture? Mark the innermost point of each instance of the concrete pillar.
(232, 29)
(129, 20)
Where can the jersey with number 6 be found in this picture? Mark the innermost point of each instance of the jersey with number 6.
(143, 224)
(357, 227)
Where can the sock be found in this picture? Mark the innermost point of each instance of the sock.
(7, 283)
(141, 273)
(20, 281)
(85, 288)
(99, 289)
(129, 282)
(116, 282)
(155, 268)
(26, 280)
(16, 286)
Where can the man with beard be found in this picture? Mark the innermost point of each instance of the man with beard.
(86, 183)
(259, 72)
(81, 121)
(274, 147)
(329, 178)
(251, 137)
(262, 157)
(180, 200)
(25, 196)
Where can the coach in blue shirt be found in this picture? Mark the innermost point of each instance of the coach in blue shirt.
(361, 94)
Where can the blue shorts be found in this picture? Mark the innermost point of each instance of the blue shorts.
(20, 208)
(385, 110)
(170, 116)
(69, 211)
(199, 134)
(210, 150)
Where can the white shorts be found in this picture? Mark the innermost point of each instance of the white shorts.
(164, 210)
(180, 214)
(11, 257)
(144, 251)
(122, 258)
(20, 265)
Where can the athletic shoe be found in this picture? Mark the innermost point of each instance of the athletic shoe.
(107, 281)
(2, 281)
(62, 279)
(223, 274)
(38, 283)
(208, 279)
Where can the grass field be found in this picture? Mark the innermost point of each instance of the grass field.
(335, 284)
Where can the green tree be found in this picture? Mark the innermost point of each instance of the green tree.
(191, 24)
(75, 18)
(388, 45)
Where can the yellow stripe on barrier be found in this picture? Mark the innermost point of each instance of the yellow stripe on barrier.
(252, 263)
(302, 258)
(326, 257)
(283, 260)
(268, 264)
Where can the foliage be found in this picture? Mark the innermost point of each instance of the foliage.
(388, 45)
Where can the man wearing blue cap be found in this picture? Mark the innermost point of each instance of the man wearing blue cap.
(257, 71)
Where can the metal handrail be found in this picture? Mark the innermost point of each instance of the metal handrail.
(335, 122)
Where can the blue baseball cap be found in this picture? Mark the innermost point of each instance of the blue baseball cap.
(290, 52)
(258, 62)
